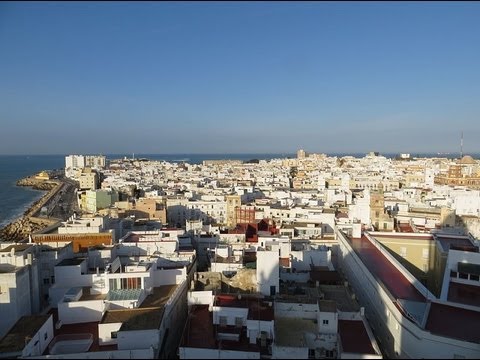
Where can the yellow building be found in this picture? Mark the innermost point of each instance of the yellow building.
(233, 202)
(43, 175)
(380, 220)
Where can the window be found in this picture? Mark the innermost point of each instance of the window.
(329, 354)
(125, 283)
(113, 334)
(463, 276)
(222, 320)
(474, 277)
(45, 336)
(325, 322)
(425, 253)
(238, 321)
(46, 281)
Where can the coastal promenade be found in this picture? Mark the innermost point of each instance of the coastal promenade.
(44, 214)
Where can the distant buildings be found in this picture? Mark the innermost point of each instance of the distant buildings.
(309, 257)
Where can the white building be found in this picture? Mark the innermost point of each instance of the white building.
(408, 320)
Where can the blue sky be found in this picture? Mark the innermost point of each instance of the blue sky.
(221, 77)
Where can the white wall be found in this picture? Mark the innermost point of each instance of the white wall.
(197, 353)
(301, 260)
(405, 338)
(80, 311)
(296, 310)
(115, 354)
(332, 322)
(105, 333)
(168, 276)
(200, 298)
(255, 327)
(42, 338)
(219, 267)
(230, 312)
(268, 271)
(13, 302)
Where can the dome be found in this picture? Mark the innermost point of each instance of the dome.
(467, 160)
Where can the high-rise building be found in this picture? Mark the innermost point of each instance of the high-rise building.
(301, 154)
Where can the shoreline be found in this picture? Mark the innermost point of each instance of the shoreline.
(31, 221)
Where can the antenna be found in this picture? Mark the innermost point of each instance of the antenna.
(461, 146)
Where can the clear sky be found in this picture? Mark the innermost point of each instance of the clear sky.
(246, 77)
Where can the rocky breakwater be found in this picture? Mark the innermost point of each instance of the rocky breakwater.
(21, 228)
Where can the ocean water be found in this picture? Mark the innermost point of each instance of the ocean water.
(14, 200)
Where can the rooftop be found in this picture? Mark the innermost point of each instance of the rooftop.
(17, 248)
(464, 294)
(290, 331)
(134, 319)
(341, 296)
(455, 241)
(354, 337)
(453, 322)
(327, 306)
(200, 332)
(25, 328)
(82, 328)
(71, 262)
(384, 271)
(258, 309)
(159, 296)
(7, 268)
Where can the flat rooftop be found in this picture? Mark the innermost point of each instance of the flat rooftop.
(290, 331)
(159, 296)
(354, 337)
(448, 242)
(25, 327)
(134, 319)
(81, 328)
(16, 248)
(86, 295)
(71, 262)
(341, 296)
(384, 271)
(464, 294)
(200, 332)
(258, 309)
(454, 322)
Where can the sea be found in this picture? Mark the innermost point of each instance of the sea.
(15, 200)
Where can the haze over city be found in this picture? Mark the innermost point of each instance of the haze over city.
(184, 77)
